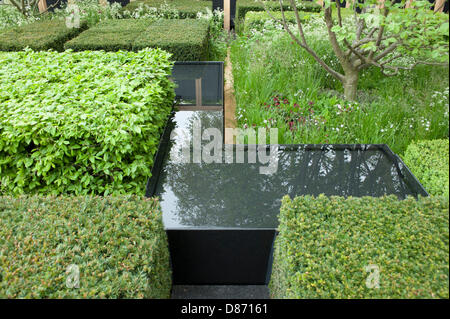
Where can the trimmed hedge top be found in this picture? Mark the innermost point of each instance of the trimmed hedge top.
(332, 247)
(256, 20)
(118, 244)
(81, 123)
(244, 6)
(185, 8)
(186, 39)
(39, 36)
(429, 162)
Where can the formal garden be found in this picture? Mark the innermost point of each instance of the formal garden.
(93, 203)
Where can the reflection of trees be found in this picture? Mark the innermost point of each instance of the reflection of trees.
(236, 195)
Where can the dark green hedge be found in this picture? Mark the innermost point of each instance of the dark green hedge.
(39, 36)
(118, 244)
(244, 6)
(186, 39)
(81, 122)
(326, 243)
(429, 162)
(185, 8)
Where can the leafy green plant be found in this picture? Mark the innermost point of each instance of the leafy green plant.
(257, 20)
(118, 245)
(244, 6)
(39, 35)
(81, 123)
(429, 162)
(329, 247)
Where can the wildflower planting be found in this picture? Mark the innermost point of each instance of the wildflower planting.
(81, 123)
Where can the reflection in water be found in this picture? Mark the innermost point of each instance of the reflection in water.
(237, 195)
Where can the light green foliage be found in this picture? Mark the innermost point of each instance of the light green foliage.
(118, 244)
(429, 162)
(244, 6)
(257, 20)
(326, 243)
(81, 123)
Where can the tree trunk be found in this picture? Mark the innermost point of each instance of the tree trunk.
(350, 84)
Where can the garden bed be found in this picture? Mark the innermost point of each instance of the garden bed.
(169, 9)
(81, 123)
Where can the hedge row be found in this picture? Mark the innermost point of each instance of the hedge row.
(244, 6)
(117, 245)
(332, 247)
(185, 8)
(39, 36)
(256, 20)
(186, 39)
(81, 123)
(429, 162)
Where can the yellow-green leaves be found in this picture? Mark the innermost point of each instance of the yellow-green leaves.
(81, 123)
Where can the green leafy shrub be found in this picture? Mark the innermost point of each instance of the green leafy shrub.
(118, 244)
(326, 243)
(183, 8)
(110, 35)
(81, 123)
(429, 162)
(244, 6)
(186, 39)
(257, 20)
(39, 35)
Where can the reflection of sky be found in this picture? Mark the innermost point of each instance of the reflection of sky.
(237, 195)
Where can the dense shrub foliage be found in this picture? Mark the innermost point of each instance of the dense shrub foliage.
(186, 39)
(244, 6)
(429, 162)
(118, 244)
(81, 123)
(39, 35)
(171, 9)
(325, 245)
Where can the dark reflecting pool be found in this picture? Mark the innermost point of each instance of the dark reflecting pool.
(238, 195)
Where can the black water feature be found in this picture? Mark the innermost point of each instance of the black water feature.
(221, 218)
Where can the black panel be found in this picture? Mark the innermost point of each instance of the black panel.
(220, 256)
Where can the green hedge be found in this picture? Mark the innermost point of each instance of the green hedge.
(256, 20)
(326, 243)
(429, 162)
(185, 8)
(81, 123)
(244, 6)
(186, 39)
(39, 36)
(118, 244)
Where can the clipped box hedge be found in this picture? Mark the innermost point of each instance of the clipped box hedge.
(244, 6)
(186, 39)
(118, 244)
(39, 36)
(256, 20)
(326, 243)
(429, 162)
(185, 8)
(81, 123)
